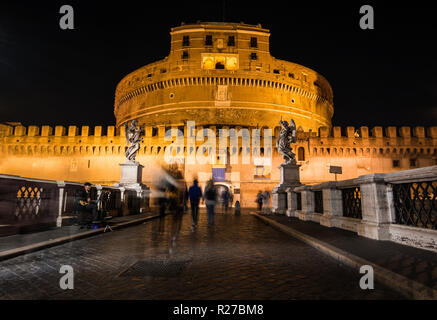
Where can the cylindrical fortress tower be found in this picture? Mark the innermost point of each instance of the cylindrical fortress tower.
(223, 74)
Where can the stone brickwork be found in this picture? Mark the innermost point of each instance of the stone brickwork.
(93, 154)
(223, 82)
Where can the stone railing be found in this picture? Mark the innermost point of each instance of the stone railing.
(398, 206)
(33, 204)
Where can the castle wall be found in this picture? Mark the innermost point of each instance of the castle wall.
(77, 154)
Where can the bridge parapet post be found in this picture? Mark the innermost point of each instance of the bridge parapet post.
(292, 199)
(307, 203)
(332, 204)
(377, 211)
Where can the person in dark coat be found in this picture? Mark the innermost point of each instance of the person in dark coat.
(225, 199)
(210, 199)
(195, 194)
(84, 203)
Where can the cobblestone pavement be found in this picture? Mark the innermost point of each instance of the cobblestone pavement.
(413, 263)
(21, 240)
(239, 258)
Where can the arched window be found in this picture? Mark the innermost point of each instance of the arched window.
(301, 154)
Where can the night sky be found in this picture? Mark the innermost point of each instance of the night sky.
(385, 76)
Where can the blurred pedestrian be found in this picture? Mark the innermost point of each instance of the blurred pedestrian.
(237, 207)
(266, 202)
(259, 200)
(162, 197)
(195, 194)
(225, 199)
(162, 205)
(210, 199)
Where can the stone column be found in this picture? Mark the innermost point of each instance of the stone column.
(131, 179)
(99, 192)
(376, 199)
(289, 178)
(131, 173)
(279, 201)
(332, 205)
(292, 202)
(61, 188)
(308, 205)
(124, 207)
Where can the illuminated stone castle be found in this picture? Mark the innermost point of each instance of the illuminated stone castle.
(222, 76)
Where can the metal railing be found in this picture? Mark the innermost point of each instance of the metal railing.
(34, 204)
(397, 206)
(416, 204)
(29, 203)
(351, 198)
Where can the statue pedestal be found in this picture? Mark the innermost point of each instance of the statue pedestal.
(131, 179)
(131, 173)
(289, 179)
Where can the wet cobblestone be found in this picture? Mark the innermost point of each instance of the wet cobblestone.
(239, 258)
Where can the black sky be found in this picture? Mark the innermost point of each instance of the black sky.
(385, 76)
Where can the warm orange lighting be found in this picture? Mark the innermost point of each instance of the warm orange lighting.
(228, 61)
(231, 63)
(208, 62)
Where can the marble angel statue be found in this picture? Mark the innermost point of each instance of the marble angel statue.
(287, 135)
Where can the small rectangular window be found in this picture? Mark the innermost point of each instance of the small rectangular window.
(163, 70)
(253, 42)
(186, 41)
(276, 71)
(413, 163)
(231, 41)
(253, 56)
(291, 75)
(208, 40)
(185, 55)
(396, 163)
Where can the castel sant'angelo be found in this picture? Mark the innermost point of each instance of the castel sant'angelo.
(219, 76)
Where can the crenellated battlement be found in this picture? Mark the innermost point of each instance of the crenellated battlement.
(90, 152)
(329, 134)
(378, 132)
(19, 130)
